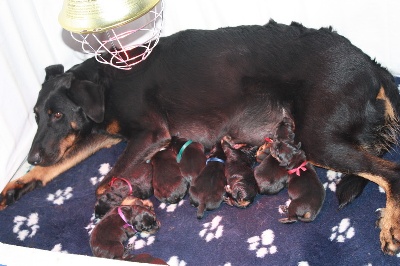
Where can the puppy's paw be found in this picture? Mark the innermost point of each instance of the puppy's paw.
(287, 220)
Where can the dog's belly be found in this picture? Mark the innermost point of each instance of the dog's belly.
(246, 126)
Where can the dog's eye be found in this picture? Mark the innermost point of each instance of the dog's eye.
(57, 115)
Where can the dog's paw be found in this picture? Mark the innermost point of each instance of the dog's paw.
(15, 190)
(389, 224)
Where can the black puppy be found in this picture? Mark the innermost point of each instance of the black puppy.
(270, 175)
(168, 182)
(207, 191)
(241, 185)
(190, 157)
(305, 189)
(119, 224)
(139, 185)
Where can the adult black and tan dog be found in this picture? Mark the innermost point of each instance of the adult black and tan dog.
(205, 84)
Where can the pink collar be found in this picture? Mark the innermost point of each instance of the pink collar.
(269, 140)
(297, 169)
(123, 179)
(124, 219)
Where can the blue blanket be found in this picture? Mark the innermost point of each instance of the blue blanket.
(59, 217)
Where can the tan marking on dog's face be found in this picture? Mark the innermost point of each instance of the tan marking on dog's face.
(113, 127)
(74, 125)
(66, 143)
(389, 111)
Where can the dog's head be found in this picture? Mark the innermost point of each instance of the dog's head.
(287, 154)
(65, 110)
(144, 219)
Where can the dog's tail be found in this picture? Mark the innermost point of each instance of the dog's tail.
(200, 210)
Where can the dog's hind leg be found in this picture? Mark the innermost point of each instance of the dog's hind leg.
(355, 160)
(41, 175)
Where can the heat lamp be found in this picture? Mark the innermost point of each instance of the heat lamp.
(121, 33)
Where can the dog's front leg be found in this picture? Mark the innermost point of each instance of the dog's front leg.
(41, 175)
(139, 149)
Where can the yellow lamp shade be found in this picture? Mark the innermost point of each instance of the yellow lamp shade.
(93, 16)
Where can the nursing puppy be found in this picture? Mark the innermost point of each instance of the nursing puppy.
(139, 185)
(190, 157)
(241, 185)
(207, 190)
(119, 224)
(270, 175)
(168, 182)
(305, 190)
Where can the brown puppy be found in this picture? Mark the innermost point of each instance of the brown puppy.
(168, 183)
(241, 185)
(138, 185)
(189, 156)
(271, 177)
(207, 190)
(305, 190)
(119, 224)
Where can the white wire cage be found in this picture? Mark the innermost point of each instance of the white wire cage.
(125, 45)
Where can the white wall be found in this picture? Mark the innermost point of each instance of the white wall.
(31, 39)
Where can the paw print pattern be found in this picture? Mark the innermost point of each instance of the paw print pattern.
(212, 230)
(103, 170)
(26, 226)
(58, 248)
(92, 224)
(333, 179)
(343, 231)
(140, 240)
(60, 196)
(171, 207)
(266, 240)
(175, 261)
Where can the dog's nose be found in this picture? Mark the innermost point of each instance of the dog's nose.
(34, 158)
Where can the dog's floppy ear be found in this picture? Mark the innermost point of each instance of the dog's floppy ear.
(90, 97)
(53, 70)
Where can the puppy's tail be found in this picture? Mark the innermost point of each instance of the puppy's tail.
(200, 210)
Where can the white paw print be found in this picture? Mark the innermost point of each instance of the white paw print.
(26, 226)
(212, 230)
(266, 240)
(171, 207)
(175, 261)
(60, 196)
(140, 240)
(342, 231)
(103, 170)
(92, 224)
(58, 248)
(333, 179)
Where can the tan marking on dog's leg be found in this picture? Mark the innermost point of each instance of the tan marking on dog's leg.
(389, 110)
(376, 179)
(47, 173)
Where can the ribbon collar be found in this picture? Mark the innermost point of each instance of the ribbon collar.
(296, 170)
(214, 159)
(123, 179)
(269, 140)
(179, 156)
(121, 214)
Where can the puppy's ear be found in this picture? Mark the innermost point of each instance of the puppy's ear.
(90, 97)
(53, 70)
